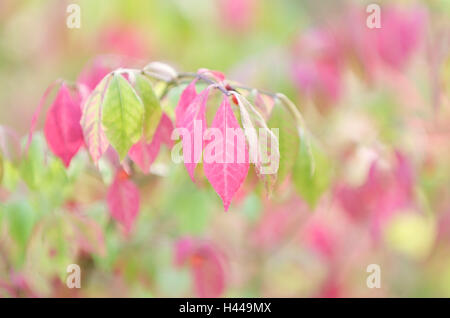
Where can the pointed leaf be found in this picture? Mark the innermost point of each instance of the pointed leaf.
(227, 174)
(91, 121)
(309, 185)
(122, 115)
(36, 114)
(288, 140)
(62, 126)
(144, 153)
(186, 98)
(152, 108)
(1, 167)
(194, 121)
(123, 200)
(263, 143)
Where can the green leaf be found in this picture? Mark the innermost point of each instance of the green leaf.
(289, 140)
(311, 183)
(32, 166)
(122, 115)
(21, 218)
(152, 108)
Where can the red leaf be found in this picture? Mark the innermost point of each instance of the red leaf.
(225, 170)
(123, 200)
(143, 154)
(62, 126)
(194, 121)
(186, 98)
(165, 129)
(207, 264)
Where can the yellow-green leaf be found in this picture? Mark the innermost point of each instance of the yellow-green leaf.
(152, 108)
(122, 116)
(289, 140)
(1, 167)
(311, 183)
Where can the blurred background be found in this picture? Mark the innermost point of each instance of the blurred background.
(376, 102)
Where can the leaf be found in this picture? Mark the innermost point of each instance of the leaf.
(301, 128)
(62, 126)
(21, 219)
(310, 185)
(1, 167)
(144, 153)
(288, 140)
(194, 121)
(94, 72)
(91, 121)
(152, 108)
(207, 265)
(122, 115)
(188, 95)
(226, 172)
(263, 143)
(36, 114)
(123, 200)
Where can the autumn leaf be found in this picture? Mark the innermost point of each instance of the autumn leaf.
(144, 153)
(91, 121)
(226, 172)
(194, 121)
(123, 200)
(187, 96)
(62, 126)
(207, 265)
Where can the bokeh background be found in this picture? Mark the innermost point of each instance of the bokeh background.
(376, 102)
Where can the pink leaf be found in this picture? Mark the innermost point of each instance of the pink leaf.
(37, 113)
(93, 73)
(143, 153)
(62, 126)
(123, 200)
(165, 129)
(216, 75)
(186, 98)
(207, 264)
(194, 121)
(227, 172)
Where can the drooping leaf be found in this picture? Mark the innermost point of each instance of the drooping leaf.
(122, 115)
(1, 167)
(152, 108)
(308, 183)
(207, 265)
(194, 121)
(144, 153)
(186, 98)
(289, 140)
(303, 133)
(263, 143)
(62, 126)
(123, 200)
(35, 118)
(91, 121)
(223, 169)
